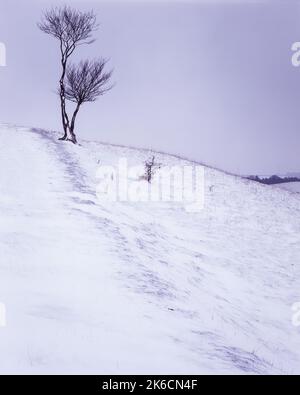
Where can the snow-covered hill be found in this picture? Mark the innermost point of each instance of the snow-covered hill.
(290, 186)
(95, 287)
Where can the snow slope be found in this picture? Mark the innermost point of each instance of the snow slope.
(95, 287)
(290, 186)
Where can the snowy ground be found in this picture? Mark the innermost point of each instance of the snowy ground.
(94, 287)
(290, 186)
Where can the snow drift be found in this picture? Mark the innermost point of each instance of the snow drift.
(95, 287)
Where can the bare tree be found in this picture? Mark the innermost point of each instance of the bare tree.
(71, 28)
(85, 82)
(150, 168)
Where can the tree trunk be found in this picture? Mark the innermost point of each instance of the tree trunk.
(64, 115)
(73, 138)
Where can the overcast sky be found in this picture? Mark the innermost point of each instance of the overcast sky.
(210, 80)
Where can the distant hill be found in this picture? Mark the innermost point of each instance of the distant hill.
(274, 179)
